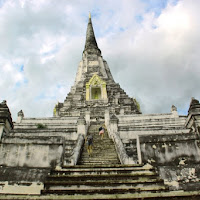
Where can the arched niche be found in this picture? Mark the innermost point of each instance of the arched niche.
(96, 89)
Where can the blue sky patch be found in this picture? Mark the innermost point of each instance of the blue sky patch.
(182, 112)
(20, 84)
(21, 68)
(157, 6)
(122, 29)
(53, 51)
(139, 18)
(43, 96)
(2, 2)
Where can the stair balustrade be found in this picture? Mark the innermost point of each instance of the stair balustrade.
(77, 150)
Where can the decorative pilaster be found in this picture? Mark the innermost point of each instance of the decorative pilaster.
(104, 91)
(87, 92)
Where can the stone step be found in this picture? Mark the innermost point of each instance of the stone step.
(32, 128)
(107, 167)
(98, 163)
(102, 152)
(100, 171)
(97, 157)
(99, 153)
(108, 146)
(85, 156)
(102, 144)
(104, 166)
(111, 190)
(108, 185)
(83, 177)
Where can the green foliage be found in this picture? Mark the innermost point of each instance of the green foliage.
(137, 104)
(41, 126)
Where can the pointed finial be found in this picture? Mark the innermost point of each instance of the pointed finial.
(90, 43)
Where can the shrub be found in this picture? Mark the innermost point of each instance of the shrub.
(41, 126)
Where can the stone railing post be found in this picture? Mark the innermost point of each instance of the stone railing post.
(87, 117)
(174, 111)
(113, 125)
(81, 125)
(20, 116)
(107, 121)
(139, 150)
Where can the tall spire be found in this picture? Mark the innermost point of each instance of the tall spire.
(91, 46)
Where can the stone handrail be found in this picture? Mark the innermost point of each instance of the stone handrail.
(124, 158)
(77, 150)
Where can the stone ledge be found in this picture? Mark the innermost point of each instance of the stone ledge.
(182, 195)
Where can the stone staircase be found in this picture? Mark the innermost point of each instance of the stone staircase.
(103, 150)
(102, 174)
(103, 179)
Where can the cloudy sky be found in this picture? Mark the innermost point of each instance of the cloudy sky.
(152, 48)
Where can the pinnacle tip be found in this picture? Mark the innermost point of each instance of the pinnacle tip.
(89, 15)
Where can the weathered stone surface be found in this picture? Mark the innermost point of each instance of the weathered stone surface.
(168, 142)
(5, 114)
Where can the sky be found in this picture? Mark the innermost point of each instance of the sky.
(152, 48)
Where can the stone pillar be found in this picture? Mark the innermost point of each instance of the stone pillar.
(174, 111)
(139, 150)
(20, 116)
(87, 92)
(87, 117)
(81, 125)
(107, 117)
(113, 125)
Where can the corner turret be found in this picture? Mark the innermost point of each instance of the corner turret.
(6, 124)
(193, 118)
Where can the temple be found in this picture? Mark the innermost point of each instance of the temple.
(140, 156)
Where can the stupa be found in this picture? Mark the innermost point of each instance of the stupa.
(95, 90)
(140, 156)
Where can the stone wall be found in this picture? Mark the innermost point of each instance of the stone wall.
(176, 157)
(35, 152)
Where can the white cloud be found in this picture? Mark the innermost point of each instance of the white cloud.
(155, 59)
